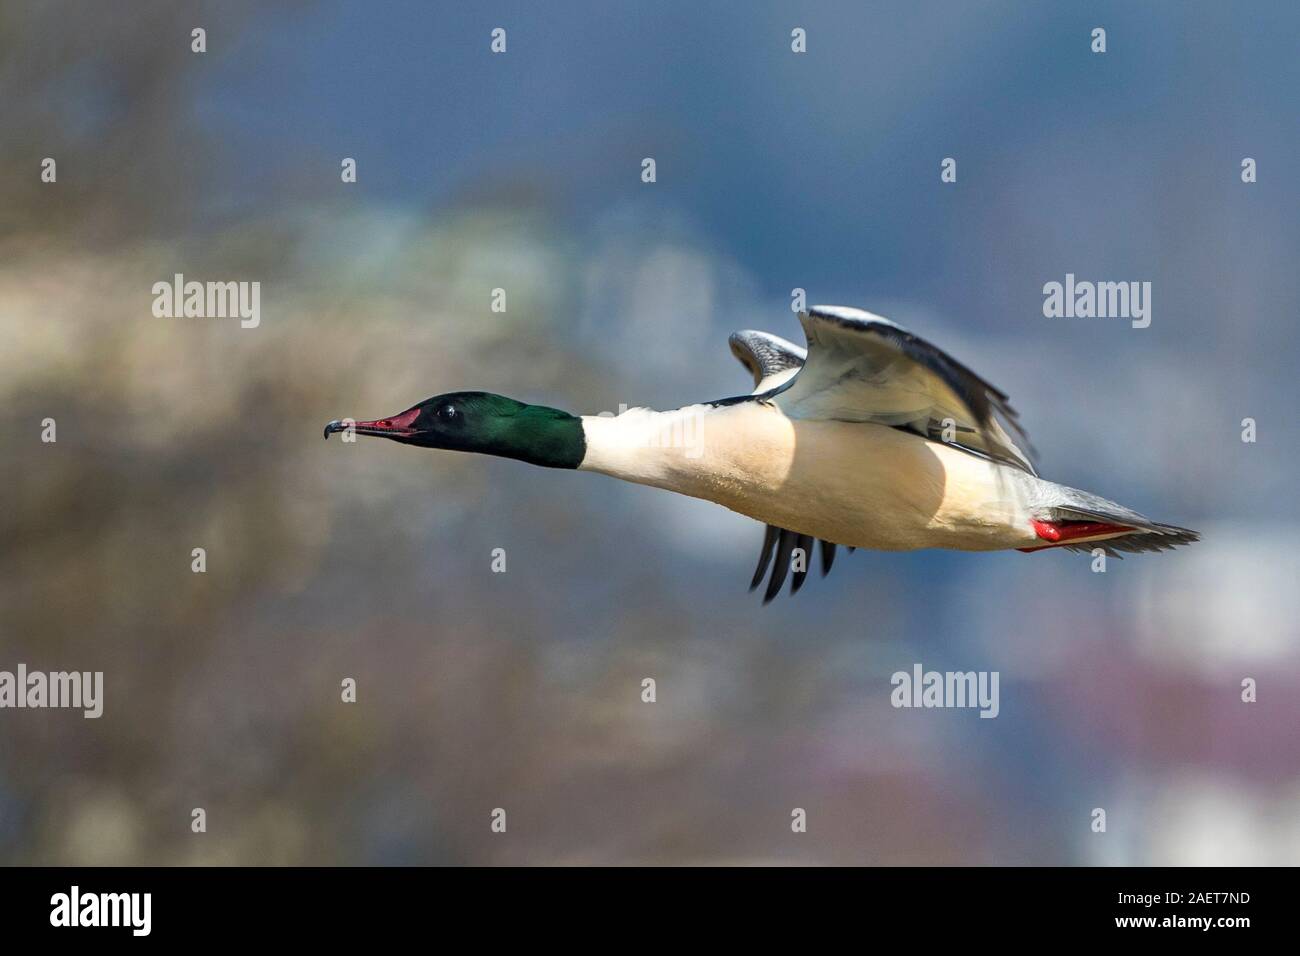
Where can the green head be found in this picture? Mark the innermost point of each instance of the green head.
(485, 423)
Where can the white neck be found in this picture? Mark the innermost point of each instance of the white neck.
(664, 449)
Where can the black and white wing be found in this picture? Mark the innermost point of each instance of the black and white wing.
(863, 368)
(770, 359)
(773, 362)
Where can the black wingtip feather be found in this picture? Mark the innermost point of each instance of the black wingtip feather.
(784, 545)
(803, 544)
(765, 555)
(828, 556)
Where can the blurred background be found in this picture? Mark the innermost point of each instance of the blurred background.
(522, 171)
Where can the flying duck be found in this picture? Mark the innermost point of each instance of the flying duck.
(870, 437)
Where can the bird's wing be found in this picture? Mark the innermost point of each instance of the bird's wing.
(793, 553)
(862, 368)
(773, 361)
(770, 359)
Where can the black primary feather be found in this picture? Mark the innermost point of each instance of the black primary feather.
(828, 556)
(782, 543)
(765, 555)
(802, 544)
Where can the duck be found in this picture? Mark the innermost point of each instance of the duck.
(868, 436)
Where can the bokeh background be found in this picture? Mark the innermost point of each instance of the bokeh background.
(522, 171)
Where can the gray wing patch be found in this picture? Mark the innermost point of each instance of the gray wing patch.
(861, 367)
(769, 358)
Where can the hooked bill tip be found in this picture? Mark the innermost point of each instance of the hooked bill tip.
(334, 426)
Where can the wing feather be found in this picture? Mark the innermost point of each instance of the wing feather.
(861, 367)
(769, 358)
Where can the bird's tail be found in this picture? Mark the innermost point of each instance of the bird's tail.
(1080, 521)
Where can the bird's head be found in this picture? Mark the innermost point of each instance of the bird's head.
(485, 423)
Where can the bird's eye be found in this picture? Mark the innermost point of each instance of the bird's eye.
(446, 412)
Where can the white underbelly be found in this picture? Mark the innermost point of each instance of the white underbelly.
(863, 485)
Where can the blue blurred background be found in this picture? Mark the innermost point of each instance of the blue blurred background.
(522, 171)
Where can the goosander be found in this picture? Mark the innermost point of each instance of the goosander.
(870, 437)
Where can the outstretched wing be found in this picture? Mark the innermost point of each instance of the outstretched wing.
(862, 368)
(773, 361)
